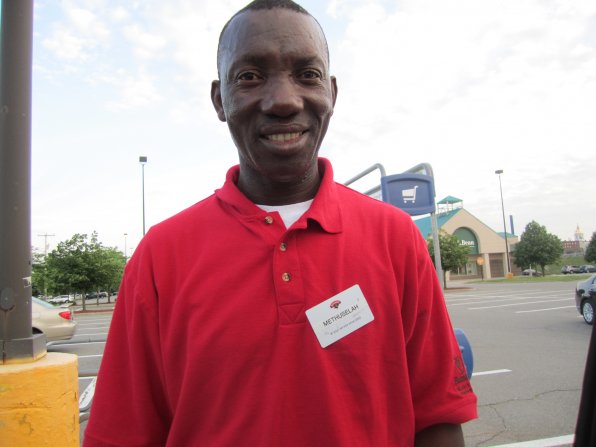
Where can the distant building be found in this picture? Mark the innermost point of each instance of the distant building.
(487, 247)
(576, 247)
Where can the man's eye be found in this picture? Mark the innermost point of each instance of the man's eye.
(248, 76)
(311, 74)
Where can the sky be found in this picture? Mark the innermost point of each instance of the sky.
(468, 86)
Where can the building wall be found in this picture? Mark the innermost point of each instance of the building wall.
(491, 248)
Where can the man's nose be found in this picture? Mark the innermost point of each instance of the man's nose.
(282, 96)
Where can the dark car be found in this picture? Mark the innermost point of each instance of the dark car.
(587, 269)
(96, 295)
(566, 269)
(585, 297)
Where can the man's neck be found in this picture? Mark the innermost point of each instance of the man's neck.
(269, 192)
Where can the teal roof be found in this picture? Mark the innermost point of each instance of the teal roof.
(500, 233)
(425, 224)
(449, 200)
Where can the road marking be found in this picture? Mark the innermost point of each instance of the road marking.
(488, 373)
(517, 304)
(87, 378)
(96, 324)
(550, 442)
(87, 335)
(519, 298)
(543, 310)
(78, 343)
(89, 356)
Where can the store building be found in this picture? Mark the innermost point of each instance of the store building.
(487, 257)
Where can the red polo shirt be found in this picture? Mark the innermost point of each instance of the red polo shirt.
(209, 344)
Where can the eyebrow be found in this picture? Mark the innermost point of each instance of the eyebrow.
(260, 60)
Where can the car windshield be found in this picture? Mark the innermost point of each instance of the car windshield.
(44, 303)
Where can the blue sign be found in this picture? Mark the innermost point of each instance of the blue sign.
(466, 351)
(413, 193)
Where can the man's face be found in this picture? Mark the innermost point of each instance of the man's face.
(276, 95)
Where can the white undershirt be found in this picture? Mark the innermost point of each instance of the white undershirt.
(289, 213)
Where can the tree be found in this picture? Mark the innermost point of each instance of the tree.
(453, 254)
(110, 265)
(82, 265)
(537, 247)
(38, 274)
(590, 255)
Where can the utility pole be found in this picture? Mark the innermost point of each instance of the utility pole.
(45, 255)
(45, 243)
(39, 389)
(16, 43)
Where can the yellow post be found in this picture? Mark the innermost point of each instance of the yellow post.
(39, 402)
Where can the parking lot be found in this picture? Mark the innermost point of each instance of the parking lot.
(529, 346)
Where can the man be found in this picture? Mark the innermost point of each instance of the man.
(284, 310)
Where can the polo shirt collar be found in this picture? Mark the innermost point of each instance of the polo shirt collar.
(325, 208)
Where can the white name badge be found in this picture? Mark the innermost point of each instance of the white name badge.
(340, 315)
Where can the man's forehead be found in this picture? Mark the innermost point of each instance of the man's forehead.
(254, 31)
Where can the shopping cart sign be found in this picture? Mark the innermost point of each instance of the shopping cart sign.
(413, 193)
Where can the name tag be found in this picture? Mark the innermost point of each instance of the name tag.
(339, 316)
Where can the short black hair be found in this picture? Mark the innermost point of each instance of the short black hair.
(257, 5)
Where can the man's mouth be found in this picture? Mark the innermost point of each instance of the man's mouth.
(284, 137)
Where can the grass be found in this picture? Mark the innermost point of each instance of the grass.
(547, 278)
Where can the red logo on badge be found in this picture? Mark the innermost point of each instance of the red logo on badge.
(335, 304)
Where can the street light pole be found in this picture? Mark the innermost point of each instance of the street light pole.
(143, 160)
(125, 255)
(499, 172)
(17, 344)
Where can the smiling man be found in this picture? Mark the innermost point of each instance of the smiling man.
(277, 97)
(286, 309)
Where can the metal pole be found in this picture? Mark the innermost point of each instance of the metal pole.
(499, 172)
(16, 42)
(143, 176)
(143, 160)
(125, 251)
(437, 247)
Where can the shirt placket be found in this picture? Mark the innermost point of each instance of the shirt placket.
(287, 278)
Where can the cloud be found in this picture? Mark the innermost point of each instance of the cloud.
(65, 45)
(146, 45)
(469, 87)
(136, 91)
(78, 35)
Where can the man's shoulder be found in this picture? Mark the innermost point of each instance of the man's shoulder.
(188, 218)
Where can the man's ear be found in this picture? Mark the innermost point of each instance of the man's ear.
(216, 100)
(334, 89)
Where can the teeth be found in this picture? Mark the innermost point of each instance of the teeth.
(283, 136)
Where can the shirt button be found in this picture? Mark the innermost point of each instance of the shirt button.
(286, 277)
(283, 246)
(268, 220)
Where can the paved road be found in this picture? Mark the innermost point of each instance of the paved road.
(529, 347)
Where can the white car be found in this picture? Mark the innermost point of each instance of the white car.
(55, 322)
(62, 299)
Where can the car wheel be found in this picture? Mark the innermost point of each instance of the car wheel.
(588, 311)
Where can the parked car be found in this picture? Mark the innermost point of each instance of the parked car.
(531, 272)
(61, 299)
(587, 269)
(95, 295)
(585, 298)
(566, 269)
(55, 322)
